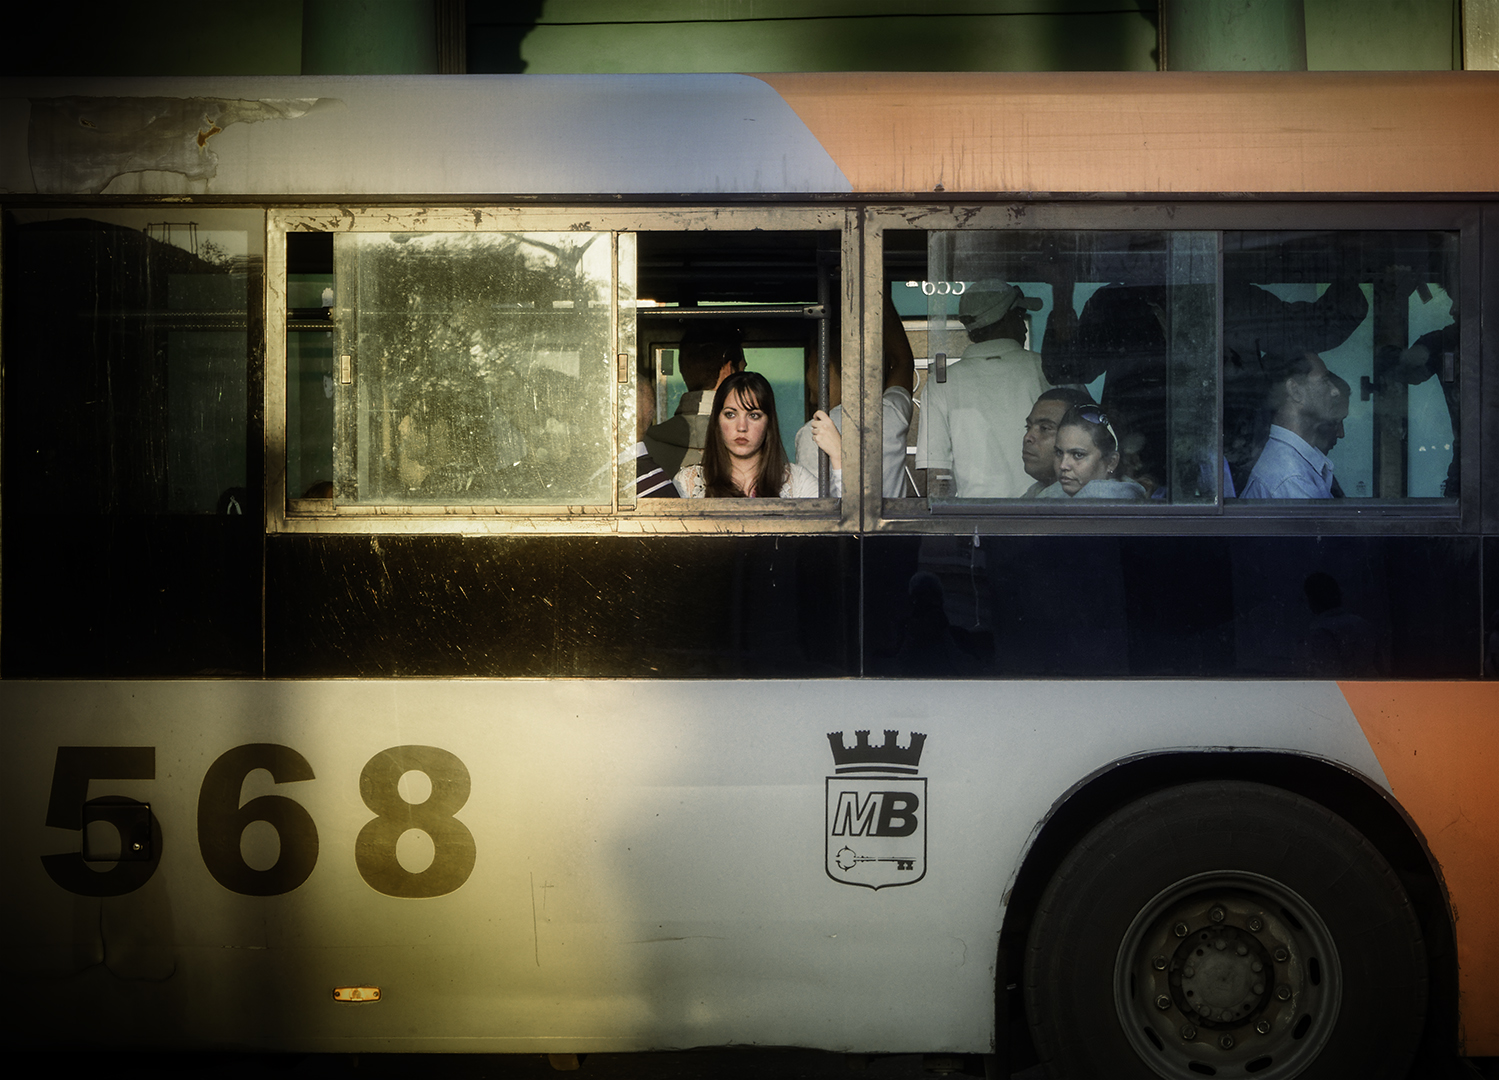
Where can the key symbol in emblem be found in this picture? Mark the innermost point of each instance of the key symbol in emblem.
(847, 859)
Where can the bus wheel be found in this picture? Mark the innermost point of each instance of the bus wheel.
(1229, 930)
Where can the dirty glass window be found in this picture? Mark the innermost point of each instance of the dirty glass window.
(466, 368)
(1063, 366)
(1340, 365)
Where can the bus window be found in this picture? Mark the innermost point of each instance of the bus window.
(763, 299)
(472, 369)
(1340, 365)
(133, 501)
(311, 368)
(480, 368)
(1062, 365)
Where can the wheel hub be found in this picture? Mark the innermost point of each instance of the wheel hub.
(1229, 975)
(1221, 976)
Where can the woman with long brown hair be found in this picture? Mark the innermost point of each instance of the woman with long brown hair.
(744, 456)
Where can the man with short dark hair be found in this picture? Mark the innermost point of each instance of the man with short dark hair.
(1330, 430)
(1037, 448)
(1302, 402)
(705, 362)
(651, 480)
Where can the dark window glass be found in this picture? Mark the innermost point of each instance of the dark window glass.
(1340, 366)
(132, 496)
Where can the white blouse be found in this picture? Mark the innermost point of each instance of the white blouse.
(800, 483)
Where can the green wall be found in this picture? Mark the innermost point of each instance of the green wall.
(1383, 35)
(288, 37)
(813, 35)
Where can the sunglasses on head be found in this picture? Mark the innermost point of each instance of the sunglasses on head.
(1095, 415)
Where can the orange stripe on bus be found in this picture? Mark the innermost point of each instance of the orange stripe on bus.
(1439, 745)
(1153, 131)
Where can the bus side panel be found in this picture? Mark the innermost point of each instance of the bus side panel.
(678, 606)
(1439, 745)
(280, 135)
(132, 596)
(1149, 132)
(1197, 606)
(558, 866)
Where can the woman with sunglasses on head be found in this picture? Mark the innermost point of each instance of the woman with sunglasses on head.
(744, 457)
(1088, 459)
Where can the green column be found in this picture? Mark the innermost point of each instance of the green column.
(1234, 35)
(1481, 35)
(369, 37)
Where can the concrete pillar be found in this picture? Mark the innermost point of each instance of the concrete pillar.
(1481, 35)
(1234, 35)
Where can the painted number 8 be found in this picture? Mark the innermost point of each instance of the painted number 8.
(375, 848)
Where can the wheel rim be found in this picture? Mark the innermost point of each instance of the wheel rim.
(1228, 974)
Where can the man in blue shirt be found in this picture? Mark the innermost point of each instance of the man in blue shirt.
(1303, 402)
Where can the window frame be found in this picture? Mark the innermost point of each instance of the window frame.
(291, 516)
(918, 515)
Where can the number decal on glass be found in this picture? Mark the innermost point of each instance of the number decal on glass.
(74, 768)
(453, 844)
(222, 820)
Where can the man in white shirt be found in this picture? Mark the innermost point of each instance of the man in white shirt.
(967, 438)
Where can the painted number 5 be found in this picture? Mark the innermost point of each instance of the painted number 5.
(453, 844)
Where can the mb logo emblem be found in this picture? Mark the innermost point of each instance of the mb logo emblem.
(876, 823)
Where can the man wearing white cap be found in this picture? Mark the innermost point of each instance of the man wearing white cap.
(970, 424)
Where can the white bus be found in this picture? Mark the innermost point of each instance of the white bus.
(357, 698)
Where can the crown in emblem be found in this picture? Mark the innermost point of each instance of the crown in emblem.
(888, 757)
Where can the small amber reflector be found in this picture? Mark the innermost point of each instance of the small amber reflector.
(356, 993)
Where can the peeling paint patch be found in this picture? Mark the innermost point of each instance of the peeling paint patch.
(78, 145)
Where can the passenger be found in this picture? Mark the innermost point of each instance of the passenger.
(705, 362)
(1037, 448)
(1121, 335)
(744, 458)
(1259, 328)
(1330, 430)
(966, 440)
(1301, 401)
(1088, 460)
(900, 372)
(651, 480)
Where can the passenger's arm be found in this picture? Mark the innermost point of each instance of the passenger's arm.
(825, 433)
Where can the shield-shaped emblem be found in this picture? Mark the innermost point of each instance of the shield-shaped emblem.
(876, 812)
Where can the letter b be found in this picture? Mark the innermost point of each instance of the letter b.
(897, 813)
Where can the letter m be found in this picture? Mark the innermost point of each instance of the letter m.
(854, 817)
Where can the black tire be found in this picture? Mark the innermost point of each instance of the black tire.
(1229, 930)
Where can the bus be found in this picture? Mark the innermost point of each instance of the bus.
(356, 698)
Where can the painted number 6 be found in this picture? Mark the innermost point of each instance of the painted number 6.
(222, 820)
